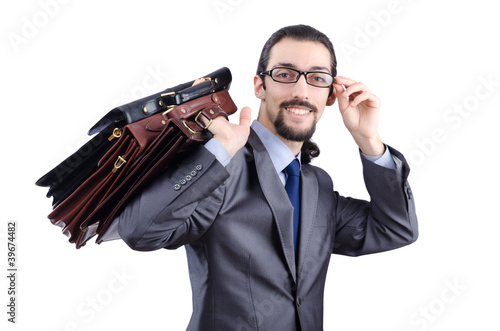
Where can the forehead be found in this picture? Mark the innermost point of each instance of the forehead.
(303, 55)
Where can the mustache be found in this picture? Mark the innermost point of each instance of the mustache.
(295, 102)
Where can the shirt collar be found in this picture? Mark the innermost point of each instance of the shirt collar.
(280, 154)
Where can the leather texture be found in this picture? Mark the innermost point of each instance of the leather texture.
(70, 173)
(63, 179)
(159, 102)
(145, 149)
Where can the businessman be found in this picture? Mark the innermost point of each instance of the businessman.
(258, 221)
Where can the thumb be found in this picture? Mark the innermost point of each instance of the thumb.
(245, 116)
(342, 100)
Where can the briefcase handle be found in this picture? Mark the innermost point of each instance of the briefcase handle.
(161, 101)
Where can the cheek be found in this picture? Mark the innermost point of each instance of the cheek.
(318, 114)
(321, 105)
(277, 93)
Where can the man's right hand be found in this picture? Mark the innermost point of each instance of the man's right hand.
(231, 136)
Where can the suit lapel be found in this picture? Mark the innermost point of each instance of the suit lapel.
(308, 207)
(277, 198)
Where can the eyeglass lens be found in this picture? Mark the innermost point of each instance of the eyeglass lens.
(287, 75)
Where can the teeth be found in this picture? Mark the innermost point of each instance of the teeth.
(298, 111)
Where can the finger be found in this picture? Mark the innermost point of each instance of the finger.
(342, 99)
(245, 120)
(246, 116)
(339, 88)
(352, 87)
(198, 81)
(217, 125)
(344, 88)
(358, 99)
(355, 88)
(366, 96)
(344, 81)
(204, 120)
(207, 122)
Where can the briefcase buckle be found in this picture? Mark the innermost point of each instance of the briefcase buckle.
(118, 164)
(200, 123)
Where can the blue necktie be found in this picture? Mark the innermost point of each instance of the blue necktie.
(292, 188)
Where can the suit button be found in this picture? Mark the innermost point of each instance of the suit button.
(299, 301)
(182, 181)
(194, 173)
(198, 167)
(177, 187)
(188, 178)
(408, 191)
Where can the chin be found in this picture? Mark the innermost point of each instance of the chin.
(295, 135)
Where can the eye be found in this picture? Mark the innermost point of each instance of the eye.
(317, 77)
(320, 79)
(284, 75)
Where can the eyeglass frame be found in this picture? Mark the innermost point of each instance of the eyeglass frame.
(305, 73)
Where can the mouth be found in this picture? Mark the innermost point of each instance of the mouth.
(298, 107)
(298, 111)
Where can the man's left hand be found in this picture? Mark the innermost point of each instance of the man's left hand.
(360, 110)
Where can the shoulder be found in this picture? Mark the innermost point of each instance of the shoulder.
(317, 171)
(322, 176)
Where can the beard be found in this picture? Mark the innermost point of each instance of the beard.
(287, 132)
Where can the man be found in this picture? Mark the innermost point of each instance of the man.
(253, 264)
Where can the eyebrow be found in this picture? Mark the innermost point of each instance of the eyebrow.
(293, 66)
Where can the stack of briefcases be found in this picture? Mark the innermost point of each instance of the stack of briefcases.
(133, 143)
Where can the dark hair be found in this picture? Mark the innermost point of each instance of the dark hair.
(300, 32)
(309, 151)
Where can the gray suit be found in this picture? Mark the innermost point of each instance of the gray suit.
(236, 225)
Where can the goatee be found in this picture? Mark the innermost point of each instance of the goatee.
(288, 133)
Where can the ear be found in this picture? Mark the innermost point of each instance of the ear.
(258, 86)
(331, 97)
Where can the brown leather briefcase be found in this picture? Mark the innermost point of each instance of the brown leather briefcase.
(144, 149)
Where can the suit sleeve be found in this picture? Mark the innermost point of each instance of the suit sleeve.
(178, 207)
(388, 221)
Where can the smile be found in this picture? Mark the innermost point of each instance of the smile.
(298, 111)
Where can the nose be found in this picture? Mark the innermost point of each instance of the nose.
(301, 88)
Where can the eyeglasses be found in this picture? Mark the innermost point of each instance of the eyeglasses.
(290, 76)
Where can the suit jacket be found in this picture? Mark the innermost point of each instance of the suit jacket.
(236, 225)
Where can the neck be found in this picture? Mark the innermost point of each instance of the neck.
(295, 146)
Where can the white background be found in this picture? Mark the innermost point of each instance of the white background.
(66, 63)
